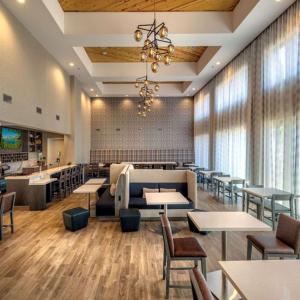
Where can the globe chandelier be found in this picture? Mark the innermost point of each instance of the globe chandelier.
(157, 46)
(147, 91)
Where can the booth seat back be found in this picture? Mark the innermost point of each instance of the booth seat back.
(184, 181)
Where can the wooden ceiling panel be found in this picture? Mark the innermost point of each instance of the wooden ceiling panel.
(146, 5)
(132, 54)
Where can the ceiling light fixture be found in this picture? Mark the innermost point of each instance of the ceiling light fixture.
(218, 63)
(193, 89)
(21, 1)
(71, 64)
(91, 90)
(146, 92)
(151, 50)
(104, 52)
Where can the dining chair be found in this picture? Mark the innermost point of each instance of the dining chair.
(285, 243)
(179, 249)
(276, 206)
(211, 185)
(233, 188)
(7, 202)
(200, 288)
(254, 201)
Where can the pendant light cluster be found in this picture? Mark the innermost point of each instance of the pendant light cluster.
(151, 50)
(147, 91)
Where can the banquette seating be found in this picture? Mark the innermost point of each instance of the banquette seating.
(183, 181)
(110, 195)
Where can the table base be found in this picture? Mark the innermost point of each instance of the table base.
(221, 287)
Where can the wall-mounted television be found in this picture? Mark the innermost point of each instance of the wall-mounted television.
(10, 139)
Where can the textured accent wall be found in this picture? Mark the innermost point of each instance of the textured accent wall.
(115, 124)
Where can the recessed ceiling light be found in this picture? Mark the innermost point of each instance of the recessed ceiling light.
(104, 52)
(21, 1)
(97, 95)
(218, 63)
(71, 64)
(277, 0)
(193, 89)
(126, 95)
(91, 90)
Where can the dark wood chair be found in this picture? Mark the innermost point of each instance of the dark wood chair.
(7, 202)
(286, 242)
(199, 286)
(179, 249)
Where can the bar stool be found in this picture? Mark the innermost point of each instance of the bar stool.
(68, 182)
(7, 202)
(73, 178)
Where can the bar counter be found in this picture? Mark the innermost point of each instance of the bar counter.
(34, 190)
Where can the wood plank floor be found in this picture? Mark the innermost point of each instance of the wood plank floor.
(42, 260)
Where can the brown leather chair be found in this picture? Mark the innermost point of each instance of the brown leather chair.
(199, 286)
(286, 242)
(179, 249)
(7, 202)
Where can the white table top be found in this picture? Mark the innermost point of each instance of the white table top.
(87, 189)
(42, 181)
(165, 198)
(264, 192)
(206, 173)
(98, 181)
(264, 279)
(227, 179)
(227, 221)
(151, 163)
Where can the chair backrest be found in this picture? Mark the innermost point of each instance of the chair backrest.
(199, 286)
(215, 174)
(283, 197)
(238, 181)
(7, 202)
(167, 233)
(288, 231)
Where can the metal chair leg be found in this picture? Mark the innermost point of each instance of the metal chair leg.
(1, 227)
(167, 278)
(203, 266)
(273, 215)
(12, 222)
(164, 264)
(249, 250)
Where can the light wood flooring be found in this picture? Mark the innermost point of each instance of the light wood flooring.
(42, 260)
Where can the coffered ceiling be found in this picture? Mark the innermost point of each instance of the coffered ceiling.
(132, 54)
(147, 5)
(93, 39)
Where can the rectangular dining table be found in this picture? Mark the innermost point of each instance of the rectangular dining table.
(224, 222)
(264, 279)
(225, 181)
(88, 189)
(262, 194)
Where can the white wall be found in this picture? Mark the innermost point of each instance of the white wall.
(78, 144)
(33, 78)
(55, 145)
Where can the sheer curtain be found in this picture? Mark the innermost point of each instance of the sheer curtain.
(277, 96)
(232, 117)
(202, 120)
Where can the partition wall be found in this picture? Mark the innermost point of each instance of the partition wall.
(247, 118)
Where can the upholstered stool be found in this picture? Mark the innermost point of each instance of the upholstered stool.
(76, 218)
(130, 219)
(192, 226)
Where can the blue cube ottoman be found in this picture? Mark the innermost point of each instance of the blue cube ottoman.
(76, 218)
(130, 219)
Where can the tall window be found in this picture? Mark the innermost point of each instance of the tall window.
(202, 128)
(231, 110)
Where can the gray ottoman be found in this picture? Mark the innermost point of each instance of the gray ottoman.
(130, 219)
(76, 218)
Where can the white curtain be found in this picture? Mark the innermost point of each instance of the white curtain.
(255, 109)
(202, 120)
(277, 99)
(232, 117)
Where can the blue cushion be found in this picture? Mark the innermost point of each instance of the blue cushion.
(136, 188)
(182, 206)
(180, 187)
(139, 202)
